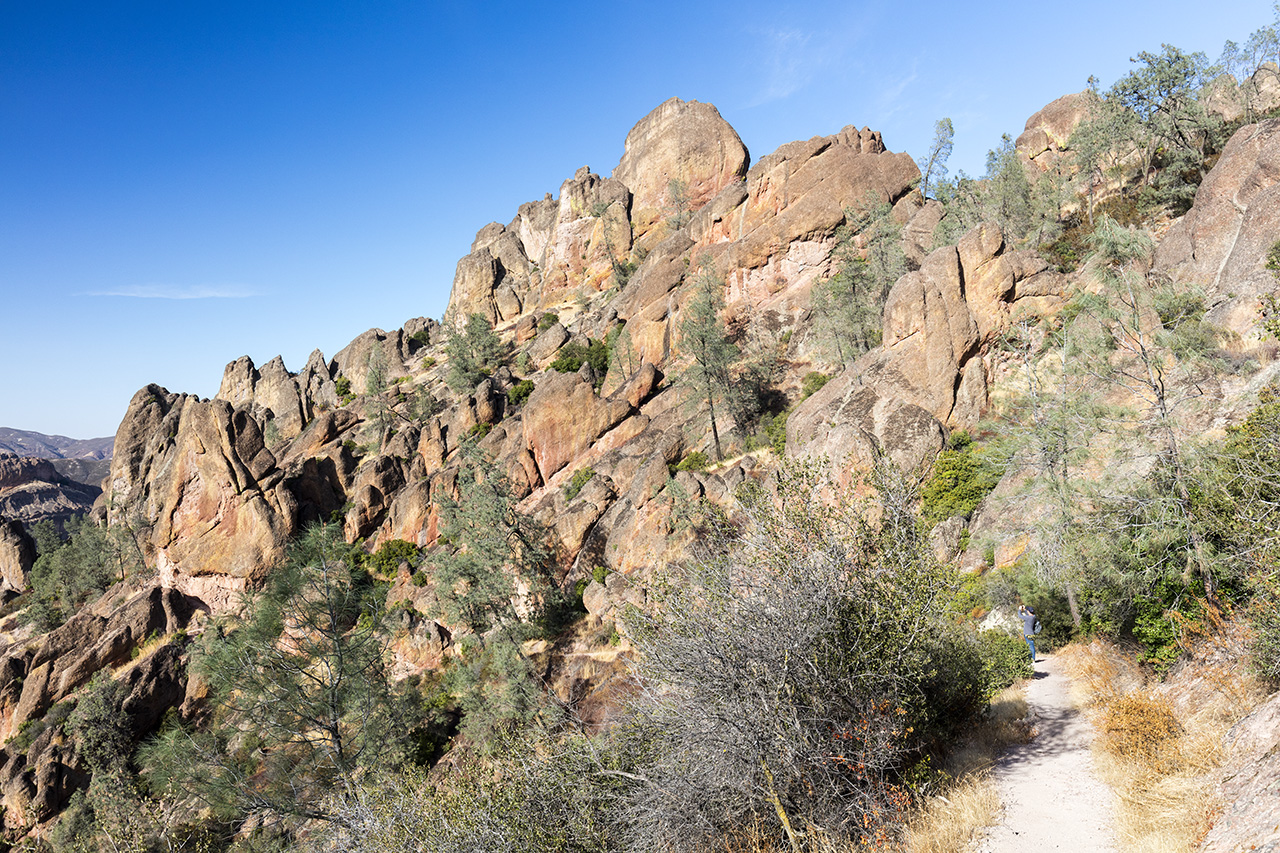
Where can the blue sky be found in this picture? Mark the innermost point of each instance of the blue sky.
(185, 183)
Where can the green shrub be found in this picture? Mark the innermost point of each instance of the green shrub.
(343, 386)
(580, 478)
(775, 430)
(428, 362)
(547, 320)
(959, 482)
(479, 431)
(422, 338)
(520, 392)
(811, 383)
(695, 461)
(573, 355)
(385, 562)
(1005, 659)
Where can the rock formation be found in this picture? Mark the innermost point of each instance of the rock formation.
(32, 489)
(1221, 244)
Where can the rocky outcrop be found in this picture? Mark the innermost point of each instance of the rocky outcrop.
(17, 556)
(212, 500)
(564, 417)
(1046, 134)
(36, 780)
(682, 141)
(272, 387)
(32, 490)
(1221, 244)
(930, 370)
(1249, 787)
(768, 229)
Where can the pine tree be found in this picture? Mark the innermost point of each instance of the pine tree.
(492, 576)
(703, 337)
(300, 692)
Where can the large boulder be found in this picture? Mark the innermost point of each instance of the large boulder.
(1045, 136)
(1221, 244)
(564, 416)
(197, 481)
(682, 141)
(850, 423)
(17, 556)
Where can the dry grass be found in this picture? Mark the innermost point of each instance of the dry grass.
(948, 823)
(969, 802)
(1158, 748)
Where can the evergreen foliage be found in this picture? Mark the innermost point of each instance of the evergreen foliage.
(848, 307)
(573, 355)
(709, 376)
(961, 478)
(67, 574)
(300, 691)
(486, 545)
(474, 352)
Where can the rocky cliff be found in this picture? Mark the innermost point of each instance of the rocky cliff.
(213, 489)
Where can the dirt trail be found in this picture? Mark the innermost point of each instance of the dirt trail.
(1053, 799)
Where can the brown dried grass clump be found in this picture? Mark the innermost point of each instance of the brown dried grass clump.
(949, 821)
(1159, 748)
(1143, 728)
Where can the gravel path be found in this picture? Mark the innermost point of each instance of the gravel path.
(1053, 799)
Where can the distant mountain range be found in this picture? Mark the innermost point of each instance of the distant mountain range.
(50, 476)
(26, 443)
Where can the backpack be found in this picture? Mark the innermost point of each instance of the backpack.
(1036, 630)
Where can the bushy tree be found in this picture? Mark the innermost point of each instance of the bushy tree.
(474, 352)
(299, 692)
(66, 574)
(705, 340)
(787, 674)
(848, 307)
(491, 575)
(1135, 352)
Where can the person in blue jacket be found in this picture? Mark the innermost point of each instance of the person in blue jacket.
(1030, 627)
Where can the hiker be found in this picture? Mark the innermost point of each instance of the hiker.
(1030, 627)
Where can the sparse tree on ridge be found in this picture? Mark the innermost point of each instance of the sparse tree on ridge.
(933, 166)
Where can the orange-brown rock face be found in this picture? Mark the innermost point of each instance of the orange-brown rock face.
(564, 417)
(769, 229)
(1221, 244)
(681, 141)
(1044, 138)
(210, 501)
(930, 370)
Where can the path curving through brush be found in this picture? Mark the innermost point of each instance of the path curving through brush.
(1051, 797)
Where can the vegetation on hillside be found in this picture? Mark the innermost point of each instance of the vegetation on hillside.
(799, 674)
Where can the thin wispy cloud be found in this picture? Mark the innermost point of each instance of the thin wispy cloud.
(789, 64)
(171, 291)
(890, 100)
